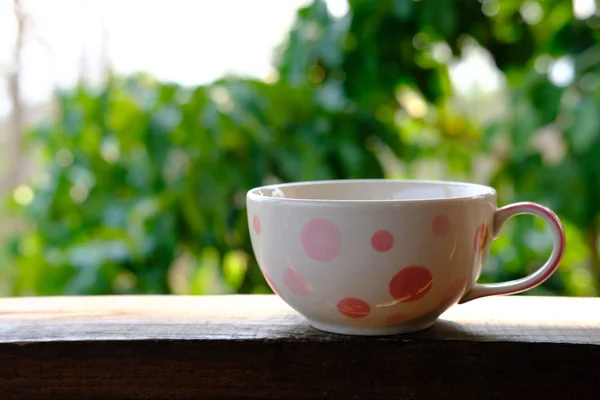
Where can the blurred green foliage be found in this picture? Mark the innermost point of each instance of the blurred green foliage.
(142, 183)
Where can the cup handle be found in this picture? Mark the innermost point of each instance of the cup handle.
(530, 281)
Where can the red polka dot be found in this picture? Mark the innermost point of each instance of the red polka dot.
(272, 285)
(353, 308)
(440, 225)
(295, 282)
(395, 319)
(382, 241)
(256, 224)
(320, 239)
(481, 238)
(453, 293)
(411, 284)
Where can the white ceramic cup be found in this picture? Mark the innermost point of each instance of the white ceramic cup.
(379, 257)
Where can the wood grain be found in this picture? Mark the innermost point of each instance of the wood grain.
(237, 347)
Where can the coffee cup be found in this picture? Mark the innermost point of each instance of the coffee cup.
(383, 257)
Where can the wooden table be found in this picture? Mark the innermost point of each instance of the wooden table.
(239, 347)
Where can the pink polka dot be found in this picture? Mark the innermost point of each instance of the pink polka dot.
(411, 283)
(272, 285)
(453, 293)
(295, 282)
(353, 308)
(382, 241)
(320, 239)
(481, 238)
(440, 225)
(395, 319)
(256, 224)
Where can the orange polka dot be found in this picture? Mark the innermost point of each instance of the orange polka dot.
(395, 319)
(382, 241)
(256, 224)
(440, 225)
(481, 238)
(353, 307)
(411, 283)
(295, 282)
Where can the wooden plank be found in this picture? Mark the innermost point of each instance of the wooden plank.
(512, 318)
(236, 347)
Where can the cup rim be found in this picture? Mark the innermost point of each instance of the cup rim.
(481, 192)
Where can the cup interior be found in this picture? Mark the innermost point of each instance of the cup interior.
(373, 190)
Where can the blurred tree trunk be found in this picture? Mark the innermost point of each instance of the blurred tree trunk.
(13, 175)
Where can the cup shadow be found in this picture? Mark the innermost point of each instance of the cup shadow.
(444, 329)
(482, 330)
